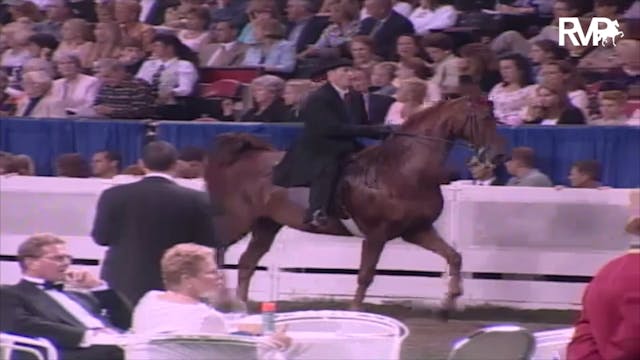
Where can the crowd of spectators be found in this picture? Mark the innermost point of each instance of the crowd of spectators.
(148, 59)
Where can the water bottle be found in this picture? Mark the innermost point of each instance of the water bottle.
(268, 317)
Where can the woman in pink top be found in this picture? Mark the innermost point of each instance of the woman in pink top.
(511, 96)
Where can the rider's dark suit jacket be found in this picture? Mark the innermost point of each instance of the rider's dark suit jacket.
(328, 136)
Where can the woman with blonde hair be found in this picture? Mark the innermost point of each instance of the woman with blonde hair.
(75, 35)
(268, 104)
(271, 51)
(74, 90)
(295, 93)
(108, 37)
(553, 107)
(256, 11)
(191, 279)
(409, 100)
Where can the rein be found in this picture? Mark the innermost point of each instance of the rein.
(434, 138)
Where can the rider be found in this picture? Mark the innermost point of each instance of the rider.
(328, 138)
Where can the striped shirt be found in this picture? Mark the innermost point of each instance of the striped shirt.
(130, 99)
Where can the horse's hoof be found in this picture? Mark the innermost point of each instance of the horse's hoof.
(443, 315)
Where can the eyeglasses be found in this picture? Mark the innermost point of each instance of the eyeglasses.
(58, 258)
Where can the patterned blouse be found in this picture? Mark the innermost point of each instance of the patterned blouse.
(508, 105)
(334, 36)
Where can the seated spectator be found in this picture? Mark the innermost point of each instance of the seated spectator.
(446, 68)
(513, 42)
(402, 7)
(108, 39)
(561, 74)
(132, 55)
(343, 16)
(5, 158)
(268, 105)
(191, 279)
(175, 16)
(57, 12)
(230, 10)
(195, 34)
(134, 170)
(585, 174)
(256, 11)
(37, 64)
(483, 173)
(120, 96)
(408, 46)
(511, 96)
(16, 37)
(37, 100)
(226, 51)
(76, 92)
(72, 165)
(382, 78)
(74, 35)
(295, 93)
(417, 68)
(553, 107)
(521, 166)
(7, 102)
(369, 108)
(42, 46)
(409, 100)
(517, 7)
(171, 75)
(612, 108)
(361, 50)
(20, 165)
(191, 161)
(303, 28)
(383, 26)
(105, 164)
(270, 51)
(544, 51)
(479, 62)
(24, 11)
(608, 327)
(127, 14)
(74, 321)
(628, 74)
(105, 11)
(433, 15)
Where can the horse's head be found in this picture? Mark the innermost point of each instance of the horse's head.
(467, 118)
(229, 147)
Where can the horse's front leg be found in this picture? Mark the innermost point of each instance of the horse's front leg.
(262, 235)
(372, 247)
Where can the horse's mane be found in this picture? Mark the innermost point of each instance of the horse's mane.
(229, 147)
(432, 112)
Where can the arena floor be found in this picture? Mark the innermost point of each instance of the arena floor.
(431, 338)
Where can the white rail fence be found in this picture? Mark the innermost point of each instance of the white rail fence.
(521, 247)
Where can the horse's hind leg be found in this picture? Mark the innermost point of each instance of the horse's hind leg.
(262, 235)
(371, 249)
(431, 240)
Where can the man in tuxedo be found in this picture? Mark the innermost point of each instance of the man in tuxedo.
(75, 322)
(304, 28)
(375, 106)
(384, 26)
(328, 138)
(139, 221)
(227, 51)
(483, 173)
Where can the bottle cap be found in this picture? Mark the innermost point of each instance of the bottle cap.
(268, 306)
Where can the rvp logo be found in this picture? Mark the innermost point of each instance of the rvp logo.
(599, 35)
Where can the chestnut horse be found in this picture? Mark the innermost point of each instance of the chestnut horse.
(389, 190)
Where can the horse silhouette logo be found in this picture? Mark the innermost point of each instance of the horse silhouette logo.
(601, 32)
(610, 33)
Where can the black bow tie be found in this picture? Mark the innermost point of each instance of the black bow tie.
(49, 285)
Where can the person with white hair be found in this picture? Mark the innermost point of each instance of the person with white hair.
(268, 104)
(75, 90)
(37, 100)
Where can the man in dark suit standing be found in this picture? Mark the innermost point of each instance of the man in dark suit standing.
(374, 106)
(328, 138)
(384, 26)
(74, 322)
(139, 221)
